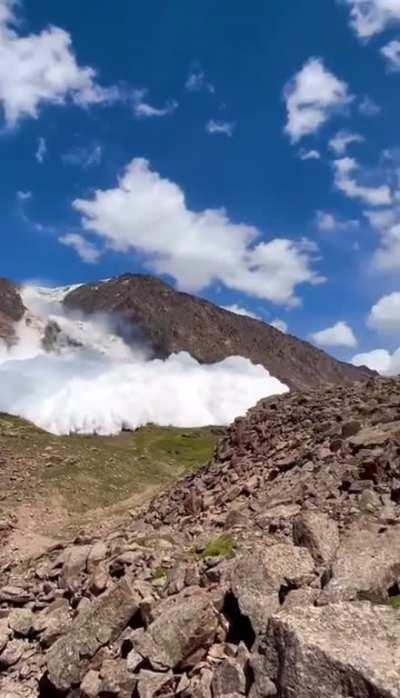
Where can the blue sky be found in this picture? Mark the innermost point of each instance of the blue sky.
(249, 154)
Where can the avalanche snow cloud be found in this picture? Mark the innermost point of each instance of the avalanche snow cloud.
(93, 382)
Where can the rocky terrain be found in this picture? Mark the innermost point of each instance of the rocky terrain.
(171, 322)
(11, 309)
(272, 571)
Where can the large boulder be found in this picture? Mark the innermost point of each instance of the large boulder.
(335, 651)
(367, 564)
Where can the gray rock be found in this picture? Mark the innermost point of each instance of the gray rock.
(185, 623)
(262, 686)
(116, 679)
(150, 682)
(228, 678)
(319, 534)
(4, 634)
(15, 595)
(367, 565)
(52, 622)
(21, 621)
(91, 684)
(97, 553)
(338, 650)
(74, 559)
(69, 657)
(12, 653)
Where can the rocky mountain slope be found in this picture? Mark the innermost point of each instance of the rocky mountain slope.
(171, 322)
(11, 309)
(272, 571)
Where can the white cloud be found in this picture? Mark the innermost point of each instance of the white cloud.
(148, 214)
(327, 222)
(391, 52)
(385, 314)
(339, 335)
(340, 142)
(368, 107)
(144, 110)
(387, 221)
(280, 325)
(379, 360)
(370, 17)
(239, 310)
(197, 82)
(309, 155)
(86, 250)
(311, 97)
(374, 196)
(220, 127)
(41, 150)
(24, 195)
(84, 157)
(41, 69)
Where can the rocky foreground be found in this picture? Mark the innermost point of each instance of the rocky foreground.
(273, 571)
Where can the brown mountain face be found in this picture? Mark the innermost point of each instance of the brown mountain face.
(172, 321)
(11, 309)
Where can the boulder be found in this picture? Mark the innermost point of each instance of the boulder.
(319, 534)
(184, 624)
(367, 564)
(150, 682)
(228, 678)
(337, 650)
(69, 656)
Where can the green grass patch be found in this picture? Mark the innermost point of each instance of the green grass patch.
(159, 573)
(223, 546)
(394, 601)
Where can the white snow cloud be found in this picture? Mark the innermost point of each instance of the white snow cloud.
(340, 142)
(379, 360)
(220, 127)
(86, 250)
(312, 96)
(239, 310)
(344, 180)
(391, 53)
(327, 222)
(24, 195)
(385, 314)
(387, 221)
(309, 154)
(143, 110)
(370, 17)
(41, 150)
(39, 69)
(280, 325)
(339, 335)
(102, 385)
(148, 213)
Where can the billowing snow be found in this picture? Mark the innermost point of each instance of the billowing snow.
(94, 382)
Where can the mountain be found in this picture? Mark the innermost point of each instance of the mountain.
(172, 321)
(11, 309)
(271, 571)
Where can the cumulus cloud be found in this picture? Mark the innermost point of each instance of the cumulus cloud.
(311, 97)
(280, 325)
(339, 335)
(309, 155)
(327, 222)
(86, 250)
(24, 195)
(85, 157)
(220, 127)
(379, 360)
(340, 142)
(41, 150)
(39, 69)
(239, 310)
(344, 180)
(385, 314)
(148, 213)
(391, 53)
(197, 82)
(102, 385)
(370, 17)
(143, 110)
(387, 221)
